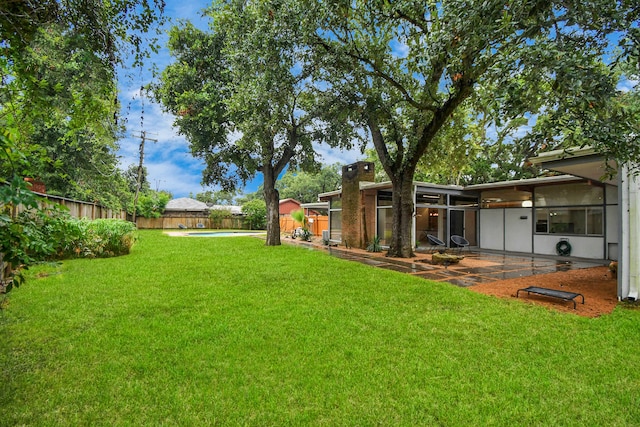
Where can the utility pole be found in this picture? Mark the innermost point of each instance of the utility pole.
(143, 138)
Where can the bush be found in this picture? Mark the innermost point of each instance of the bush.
(109, 237)
(47, 232)
(256, 214)
(152, 204)
(218, 215)
(60, 236)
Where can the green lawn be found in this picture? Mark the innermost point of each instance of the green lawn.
(226, 331)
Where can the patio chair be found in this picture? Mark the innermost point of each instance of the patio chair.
(199, 225)
(182, 226)
(435, 243)
(459, 242)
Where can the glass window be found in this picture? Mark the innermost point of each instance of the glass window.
(595, 221)
(385, 220)
(385, 198)
(336, 203)
(464, 201)
(585, 221)
(336, 225)
(431, 199)
(567, 221)
(542, 220)
(507, 198)
(569, 194)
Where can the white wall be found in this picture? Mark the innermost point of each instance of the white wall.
(492, 229)
(581, 246)
(518, 231)
(520, 237)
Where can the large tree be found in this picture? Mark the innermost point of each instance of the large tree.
(58, 92)
(305, 187)
(241, 95)
(404, 68)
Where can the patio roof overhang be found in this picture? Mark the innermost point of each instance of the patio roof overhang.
(316, 205)
(582, 162)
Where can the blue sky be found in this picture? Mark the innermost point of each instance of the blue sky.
(168, 161)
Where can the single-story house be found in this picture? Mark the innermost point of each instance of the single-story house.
(533, 216)
(185, 206)
(288, 205)
(235, 210)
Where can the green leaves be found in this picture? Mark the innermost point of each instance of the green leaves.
(256, 213)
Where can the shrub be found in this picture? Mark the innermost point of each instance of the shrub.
(109, 237)
(151, 205)
(44, 232)
(256, 214)
(375, 245)
(218, 215)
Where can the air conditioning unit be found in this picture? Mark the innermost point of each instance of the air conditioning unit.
(325, 235)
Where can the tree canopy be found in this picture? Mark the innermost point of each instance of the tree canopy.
(305, 186)
(404, 68)
(242, 96)
(58, 94)
(59, 106)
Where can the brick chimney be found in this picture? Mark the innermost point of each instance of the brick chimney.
(354, 232)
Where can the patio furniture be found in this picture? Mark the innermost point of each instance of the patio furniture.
(459, 242)
(435, 243)
(199, 225)
(563, 295)
(182, 226)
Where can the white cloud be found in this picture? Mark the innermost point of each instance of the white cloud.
(178, 178)
(169, 162)
(626, 85)
(328, 156)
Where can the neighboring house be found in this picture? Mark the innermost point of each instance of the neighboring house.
(185, 207)
(288, 205)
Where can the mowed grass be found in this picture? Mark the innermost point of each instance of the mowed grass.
(226, 331)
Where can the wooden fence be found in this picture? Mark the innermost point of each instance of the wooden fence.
(316, 225)
(174, 222)
(80, 209)
(287, 224)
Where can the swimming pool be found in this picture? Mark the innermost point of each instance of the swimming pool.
(222, 233)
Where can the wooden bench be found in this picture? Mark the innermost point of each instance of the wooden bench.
(563, 295)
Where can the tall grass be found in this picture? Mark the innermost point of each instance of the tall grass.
(226, 331)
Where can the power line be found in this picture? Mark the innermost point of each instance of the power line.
(143, 137)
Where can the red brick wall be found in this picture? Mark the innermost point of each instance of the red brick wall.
(288, 206)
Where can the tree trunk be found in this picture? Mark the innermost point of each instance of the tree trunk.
(400, 245)
(272, 199)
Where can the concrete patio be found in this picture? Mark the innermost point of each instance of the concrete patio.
(476, 268)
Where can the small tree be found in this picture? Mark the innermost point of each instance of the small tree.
(300, 217)
(256, 213)
(217, 216)
(152, 204)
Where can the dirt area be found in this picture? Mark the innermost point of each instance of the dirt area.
(597, 284)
